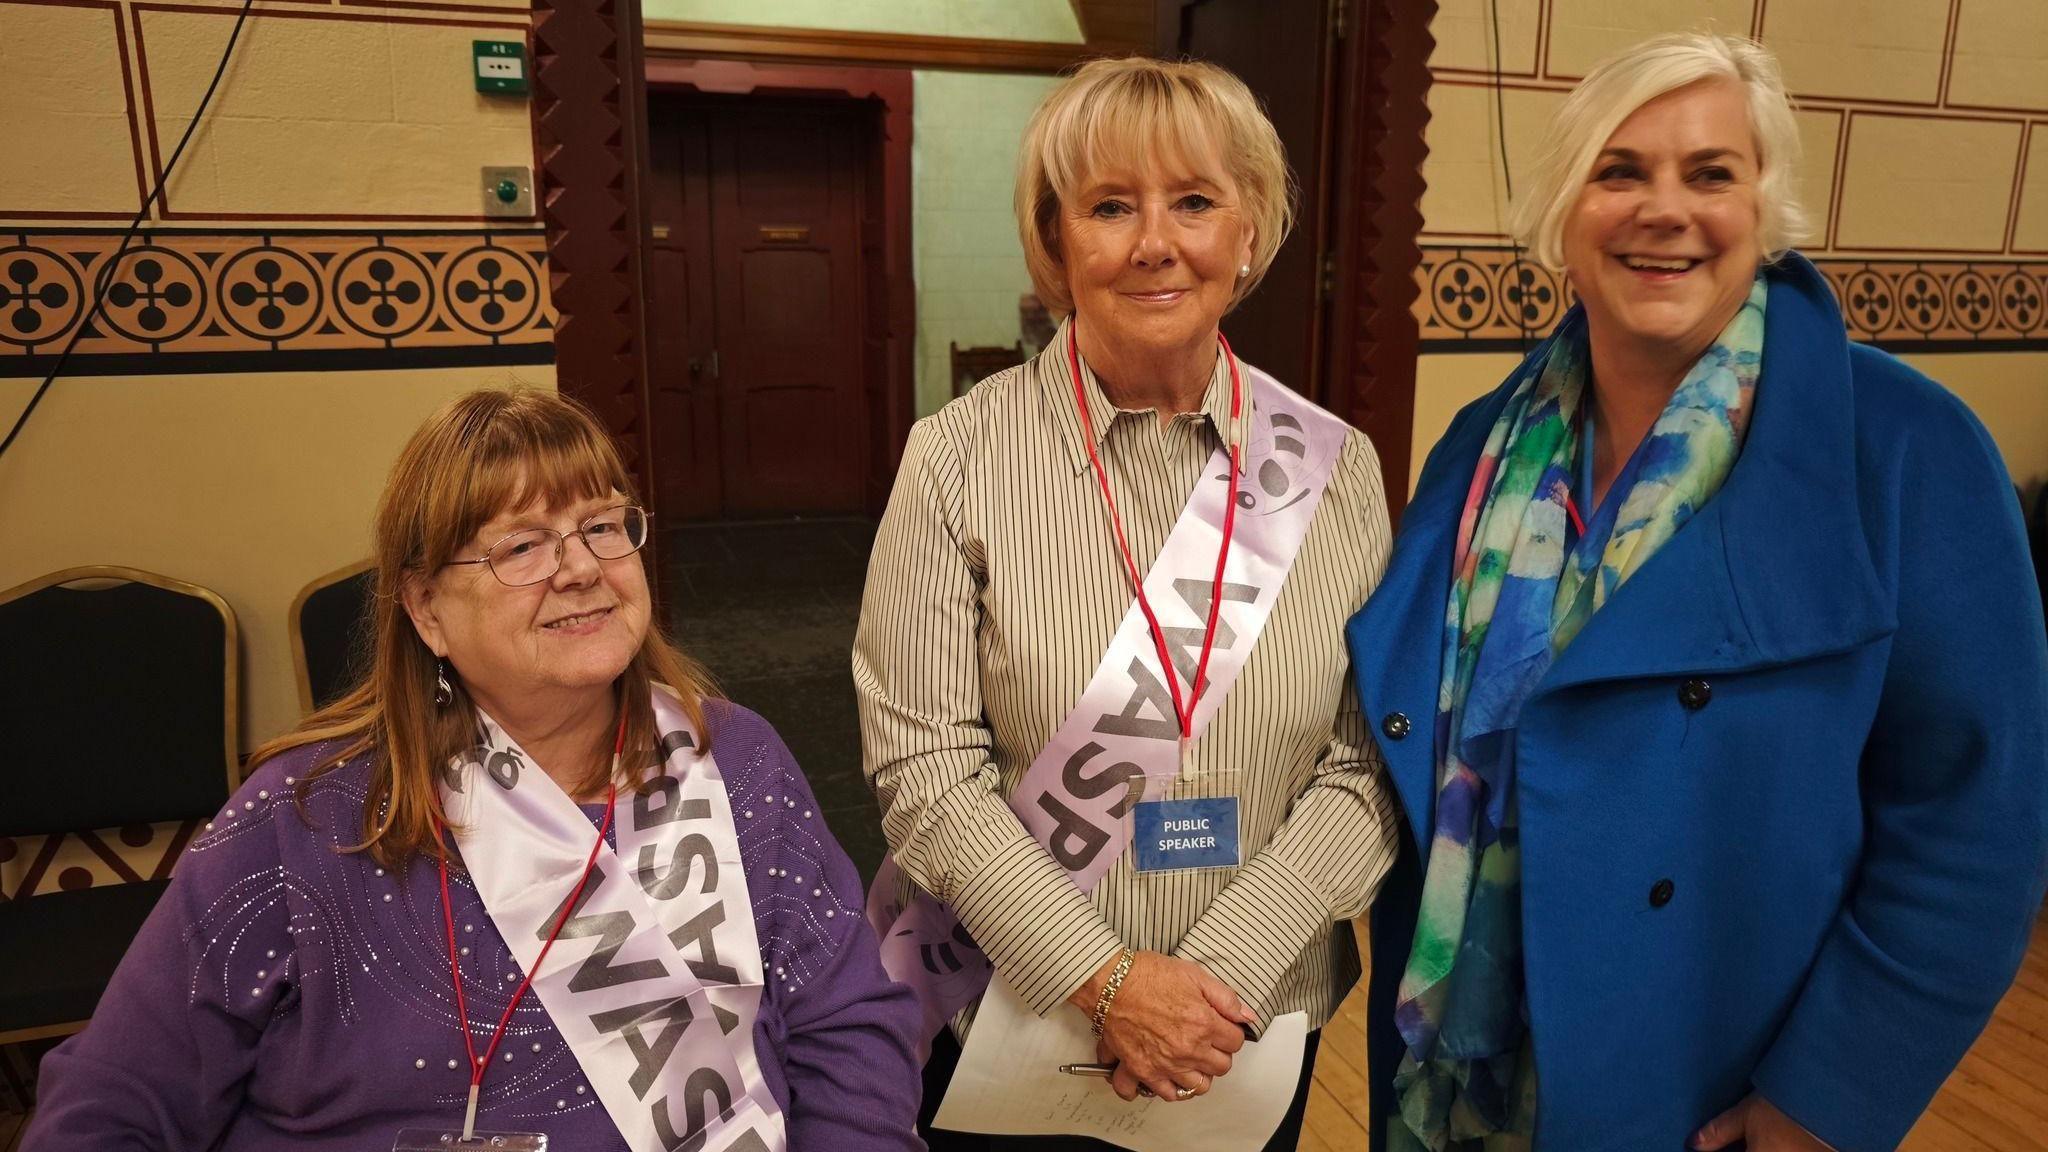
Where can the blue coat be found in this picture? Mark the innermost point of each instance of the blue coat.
(1784, 801)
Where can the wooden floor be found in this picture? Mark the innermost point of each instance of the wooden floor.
(1997, 1100)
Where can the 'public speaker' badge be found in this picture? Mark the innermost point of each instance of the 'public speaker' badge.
(1176, 835)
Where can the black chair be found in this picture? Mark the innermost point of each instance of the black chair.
(330, 633)
(117, 711)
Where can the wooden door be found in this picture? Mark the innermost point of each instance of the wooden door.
(1281, 49)
(683, 393)
(758, 306)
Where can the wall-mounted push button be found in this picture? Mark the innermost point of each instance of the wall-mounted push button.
(1395, 726)
(508, 190)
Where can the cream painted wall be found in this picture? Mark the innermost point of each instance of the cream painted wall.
(1048, 20)
(247, 482)
(965, 128)
(1443, 385)
(251, 484)
(330, 117)
(1945, 181)
(78, 132)
(316, 115)
(2009, 392)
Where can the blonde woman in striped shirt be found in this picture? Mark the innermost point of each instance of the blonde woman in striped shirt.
(1069, 550)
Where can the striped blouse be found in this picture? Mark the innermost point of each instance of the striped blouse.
(992, 591)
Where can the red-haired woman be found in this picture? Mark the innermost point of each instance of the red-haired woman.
(528, 878)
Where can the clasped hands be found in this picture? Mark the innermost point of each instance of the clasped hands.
(1173, 1026)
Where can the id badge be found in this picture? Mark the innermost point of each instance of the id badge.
(447, 1140)
(1182, 835)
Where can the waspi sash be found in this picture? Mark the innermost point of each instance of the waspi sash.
(1121, 739)
(656, 978)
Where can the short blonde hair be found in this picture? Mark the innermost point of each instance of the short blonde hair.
(1618, 86)
(1145, 109)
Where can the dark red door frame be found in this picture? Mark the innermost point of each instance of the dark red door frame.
(890, 339)
(1372, 339)
(589, 121)
(590, 124)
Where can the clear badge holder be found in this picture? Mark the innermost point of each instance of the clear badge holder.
(450, 1140)
(1191, 825)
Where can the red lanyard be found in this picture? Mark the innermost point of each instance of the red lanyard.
(1184, 714)
(477, 1067)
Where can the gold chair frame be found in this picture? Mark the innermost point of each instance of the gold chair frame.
(301, 675)
(230, 710)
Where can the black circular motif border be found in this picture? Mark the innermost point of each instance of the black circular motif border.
(151, 288)
(262, 306)
(190, 292)
(490, 291)
(1488, 298)
(27, 293)
(392, 297)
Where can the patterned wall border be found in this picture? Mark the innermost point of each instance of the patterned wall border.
(267, 301)
(1485, 299)
(71, 861)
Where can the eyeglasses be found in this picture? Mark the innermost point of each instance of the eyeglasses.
(535, 554)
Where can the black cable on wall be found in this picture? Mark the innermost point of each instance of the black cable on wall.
(105, 278)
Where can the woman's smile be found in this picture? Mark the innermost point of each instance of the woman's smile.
(583, 623)
(1658, 269)
(1157, 295)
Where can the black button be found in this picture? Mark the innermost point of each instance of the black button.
(1694, 694)
(1395, 726)
(1660, 893)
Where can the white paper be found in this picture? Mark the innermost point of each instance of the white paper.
(1009, 1081)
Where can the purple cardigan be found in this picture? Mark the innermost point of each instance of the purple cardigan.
(285, 993)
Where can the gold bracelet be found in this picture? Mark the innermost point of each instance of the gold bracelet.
(1100, 1017)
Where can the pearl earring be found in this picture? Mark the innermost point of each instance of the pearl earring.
(1244, 271)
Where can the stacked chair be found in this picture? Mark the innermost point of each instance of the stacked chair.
(329, 633)
(118, 693)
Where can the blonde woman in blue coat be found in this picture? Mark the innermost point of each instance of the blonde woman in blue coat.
(1710, 673)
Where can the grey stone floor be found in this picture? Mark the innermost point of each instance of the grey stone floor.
(771, 607)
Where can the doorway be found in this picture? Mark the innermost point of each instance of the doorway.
(758, 304)
(1283, 52)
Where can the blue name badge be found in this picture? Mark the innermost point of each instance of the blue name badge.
(1174, 835)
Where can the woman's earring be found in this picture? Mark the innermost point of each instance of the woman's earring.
(1244, 271)
(444, 693)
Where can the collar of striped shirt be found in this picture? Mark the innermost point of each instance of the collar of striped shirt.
(1056, 379)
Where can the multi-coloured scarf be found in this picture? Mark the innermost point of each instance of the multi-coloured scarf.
(1521, 590)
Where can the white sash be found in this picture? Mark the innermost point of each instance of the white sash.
(656, 978)
(1121, 740)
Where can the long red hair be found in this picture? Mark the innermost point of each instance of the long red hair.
(481, 454)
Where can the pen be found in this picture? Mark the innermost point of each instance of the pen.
(1105, 1071)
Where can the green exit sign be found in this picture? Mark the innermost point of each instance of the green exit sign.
(500, 66)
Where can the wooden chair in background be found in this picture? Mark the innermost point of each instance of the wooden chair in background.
(973, 365)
